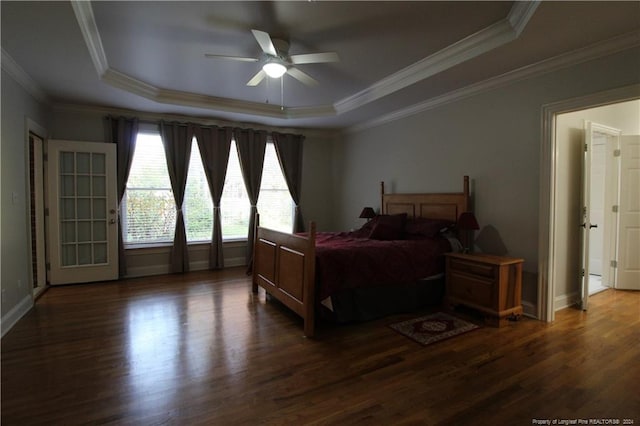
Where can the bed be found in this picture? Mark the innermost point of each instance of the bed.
(359, 275)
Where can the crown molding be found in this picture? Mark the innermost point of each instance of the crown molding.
(154, 117)
(465, 49)
(481, 42)
(89, 29)
(594, 51)
(129, 84)
(11, 67)
(520, 13)
(485, 40)
(311, 112)
(115, 78)
(176, 97)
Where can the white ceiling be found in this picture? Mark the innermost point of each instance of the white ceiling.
(396, 56)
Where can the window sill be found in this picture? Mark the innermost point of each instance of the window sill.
(139, 246)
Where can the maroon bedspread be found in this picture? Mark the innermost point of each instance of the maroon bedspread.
(346, 262)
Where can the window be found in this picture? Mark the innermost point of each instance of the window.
(148, 209)
(198, 205)
(234, 204)
(275, 204)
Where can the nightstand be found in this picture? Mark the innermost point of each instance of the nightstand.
(487, 283)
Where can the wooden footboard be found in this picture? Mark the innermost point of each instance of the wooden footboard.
(284, 265)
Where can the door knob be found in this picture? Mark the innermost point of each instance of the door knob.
(591, 225)
(112, 221)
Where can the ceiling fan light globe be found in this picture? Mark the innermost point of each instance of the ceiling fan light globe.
(274, 69)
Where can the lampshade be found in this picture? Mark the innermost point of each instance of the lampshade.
(367, 213)
(274, 69)
(467, 221)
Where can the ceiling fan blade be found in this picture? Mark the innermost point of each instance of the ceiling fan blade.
(314, 58)
(256, 79)
(302, 77)
(233, 58)
(264, 40)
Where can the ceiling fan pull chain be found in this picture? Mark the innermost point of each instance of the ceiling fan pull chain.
(267, 91)
(282, 93)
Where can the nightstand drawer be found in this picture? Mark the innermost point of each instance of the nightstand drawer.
(471, 288)
(472, 268)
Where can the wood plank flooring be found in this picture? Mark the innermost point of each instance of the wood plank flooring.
(200, 348)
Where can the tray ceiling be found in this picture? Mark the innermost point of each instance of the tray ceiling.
(394, 56)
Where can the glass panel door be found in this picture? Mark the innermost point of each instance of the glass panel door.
(83, 227)
(83, 218)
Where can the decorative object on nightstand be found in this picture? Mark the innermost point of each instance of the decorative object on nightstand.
(467, 223)
(367, 213)
(486, 283)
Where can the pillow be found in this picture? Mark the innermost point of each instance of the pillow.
(395, 221)
(385, 232)
(426, 228)
(363, 232)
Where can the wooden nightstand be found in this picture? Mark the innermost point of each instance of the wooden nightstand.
(487, 283)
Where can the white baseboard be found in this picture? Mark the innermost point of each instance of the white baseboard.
(566, 300)
(11, 318)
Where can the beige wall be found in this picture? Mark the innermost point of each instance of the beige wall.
(17, 108)
(493, 137)
(86, 124)
(569, 140)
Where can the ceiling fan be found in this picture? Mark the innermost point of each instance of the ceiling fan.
(276, 60)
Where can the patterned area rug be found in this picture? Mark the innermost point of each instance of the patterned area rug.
(433, 328)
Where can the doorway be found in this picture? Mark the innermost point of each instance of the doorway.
(37, 214)
(599, 201)
(560, 198)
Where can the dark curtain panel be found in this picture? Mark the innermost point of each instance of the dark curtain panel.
(251, 146)
(123, 132)
(176, 139)
(289, 151)
(214, 143)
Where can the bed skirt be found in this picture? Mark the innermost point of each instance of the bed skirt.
(366, 304)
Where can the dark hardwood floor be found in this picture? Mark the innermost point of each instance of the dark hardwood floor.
(200, 348)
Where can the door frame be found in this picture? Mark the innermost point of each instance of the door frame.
(548, 183)
(32, 127)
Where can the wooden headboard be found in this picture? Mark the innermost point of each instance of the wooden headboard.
(447, 206)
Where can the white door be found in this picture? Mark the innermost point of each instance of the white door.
(599, 219)
(82, 228)
(597, 203)
(629, 215)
